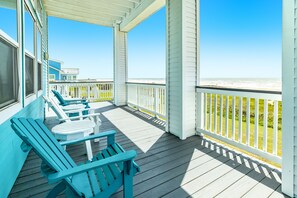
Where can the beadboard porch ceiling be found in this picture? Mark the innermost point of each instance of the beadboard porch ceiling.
(126, 13)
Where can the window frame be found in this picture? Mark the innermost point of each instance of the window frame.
(11, 109)
(49, 77)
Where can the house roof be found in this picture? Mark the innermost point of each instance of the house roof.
(126, 13)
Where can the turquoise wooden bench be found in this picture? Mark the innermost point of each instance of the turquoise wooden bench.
(112, 168)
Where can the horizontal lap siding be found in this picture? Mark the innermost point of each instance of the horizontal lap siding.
(181, 71)
(174, 66)
(12, 157)
(190, 62)
(295, 99)
(120, 70)
(45, 67)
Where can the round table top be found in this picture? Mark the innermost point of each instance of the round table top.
(73, 107)
(77, 126)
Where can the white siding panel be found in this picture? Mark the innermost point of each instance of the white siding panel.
(295, 101)
(289, 89)
(44, 46)
(120, 67)
(181, 66)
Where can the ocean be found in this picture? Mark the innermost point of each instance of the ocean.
(272, 84)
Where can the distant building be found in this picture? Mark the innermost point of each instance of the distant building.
(69, 73)
(56, 72)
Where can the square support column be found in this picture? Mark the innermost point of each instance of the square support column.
(182, 66)
(120, 66)
(289, 101)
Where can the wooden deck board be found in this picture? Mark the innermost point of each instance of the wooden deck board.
(195, 167)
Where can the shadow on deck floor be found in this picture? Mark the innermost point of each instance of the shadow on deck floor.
(195, 167)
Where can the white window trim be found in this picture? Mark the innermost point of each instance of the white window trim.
(10, 110)
(7, 112)
(49, 78)
(8, 39)
(30, 98)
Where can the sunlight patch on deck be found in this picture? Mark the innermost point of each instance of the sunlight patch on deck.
(133, 128)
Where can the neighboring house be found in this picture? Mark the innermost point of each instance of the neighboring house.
(69, 73)
(56, 72)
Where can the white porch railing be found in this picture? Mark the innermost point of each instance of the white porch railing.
(247, 119)
(94, 91)
(150, 98)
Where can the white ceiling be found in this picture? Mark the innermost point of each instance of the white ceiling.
(104, 12)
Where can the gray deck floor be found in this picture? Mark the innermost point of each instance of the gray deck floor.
(195, 167)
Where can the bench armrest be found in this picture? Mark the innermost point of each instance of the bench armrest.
(79, 110)
(82, 116)
(109, 134)
(122, 157)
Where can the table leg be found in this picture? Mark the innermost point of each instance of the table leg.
(89, 150)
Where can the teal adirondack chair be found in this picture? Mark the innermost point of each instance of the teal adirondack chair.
(101, 177)
(65, 102)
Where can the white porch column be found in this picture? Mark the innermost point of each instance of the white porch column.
(182, 64)
(120, 66)
(289, 98)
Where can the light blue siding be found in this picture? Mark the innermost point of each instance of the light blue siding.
(55, 72)
(55, 68)
(12, 157)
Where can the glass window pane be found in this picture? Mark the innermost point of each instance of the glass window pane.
(8, 12)
(9, 85)
(29, 64)
(29, 32)
(38, 45)
(39, 76)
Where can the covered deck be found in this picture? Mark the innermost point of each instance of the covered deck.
(170, 167)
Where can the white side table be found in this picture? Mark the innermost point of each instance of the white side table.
(75, 130)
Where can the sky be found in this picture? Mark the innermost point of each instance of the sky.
(239, 39)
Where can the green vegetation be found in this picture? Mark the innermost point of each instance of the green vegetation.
(270, 122)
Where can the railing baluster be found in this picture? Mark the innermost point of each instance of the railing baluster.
(240, 121)
(221, 114)
(215, 113)
(265, 125)
(156, 99)
(227, 116)
(256, 132)
(210, 112)
(275, 127)
(233, 117)
(248, 121)
(205, 110)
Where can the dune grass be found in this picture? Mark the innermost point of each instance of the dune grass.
(270, 124)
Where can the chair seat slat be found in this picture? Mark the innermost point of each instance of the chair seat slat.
(115, 171)
(93, 181)
(108, 175)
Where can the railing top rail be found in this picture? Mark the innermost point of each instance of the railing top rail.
(78, 82)
(240, 90)
(150, 84)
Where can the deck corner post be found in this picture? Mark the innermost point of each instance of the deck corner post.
(289, 102)
(182, 67)
(120, 66)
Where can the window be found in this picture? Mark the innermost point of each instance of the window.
(9, 13)
(9, 85)
(29, 32)
(39, 76)
(29, 71)
(52, 77)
